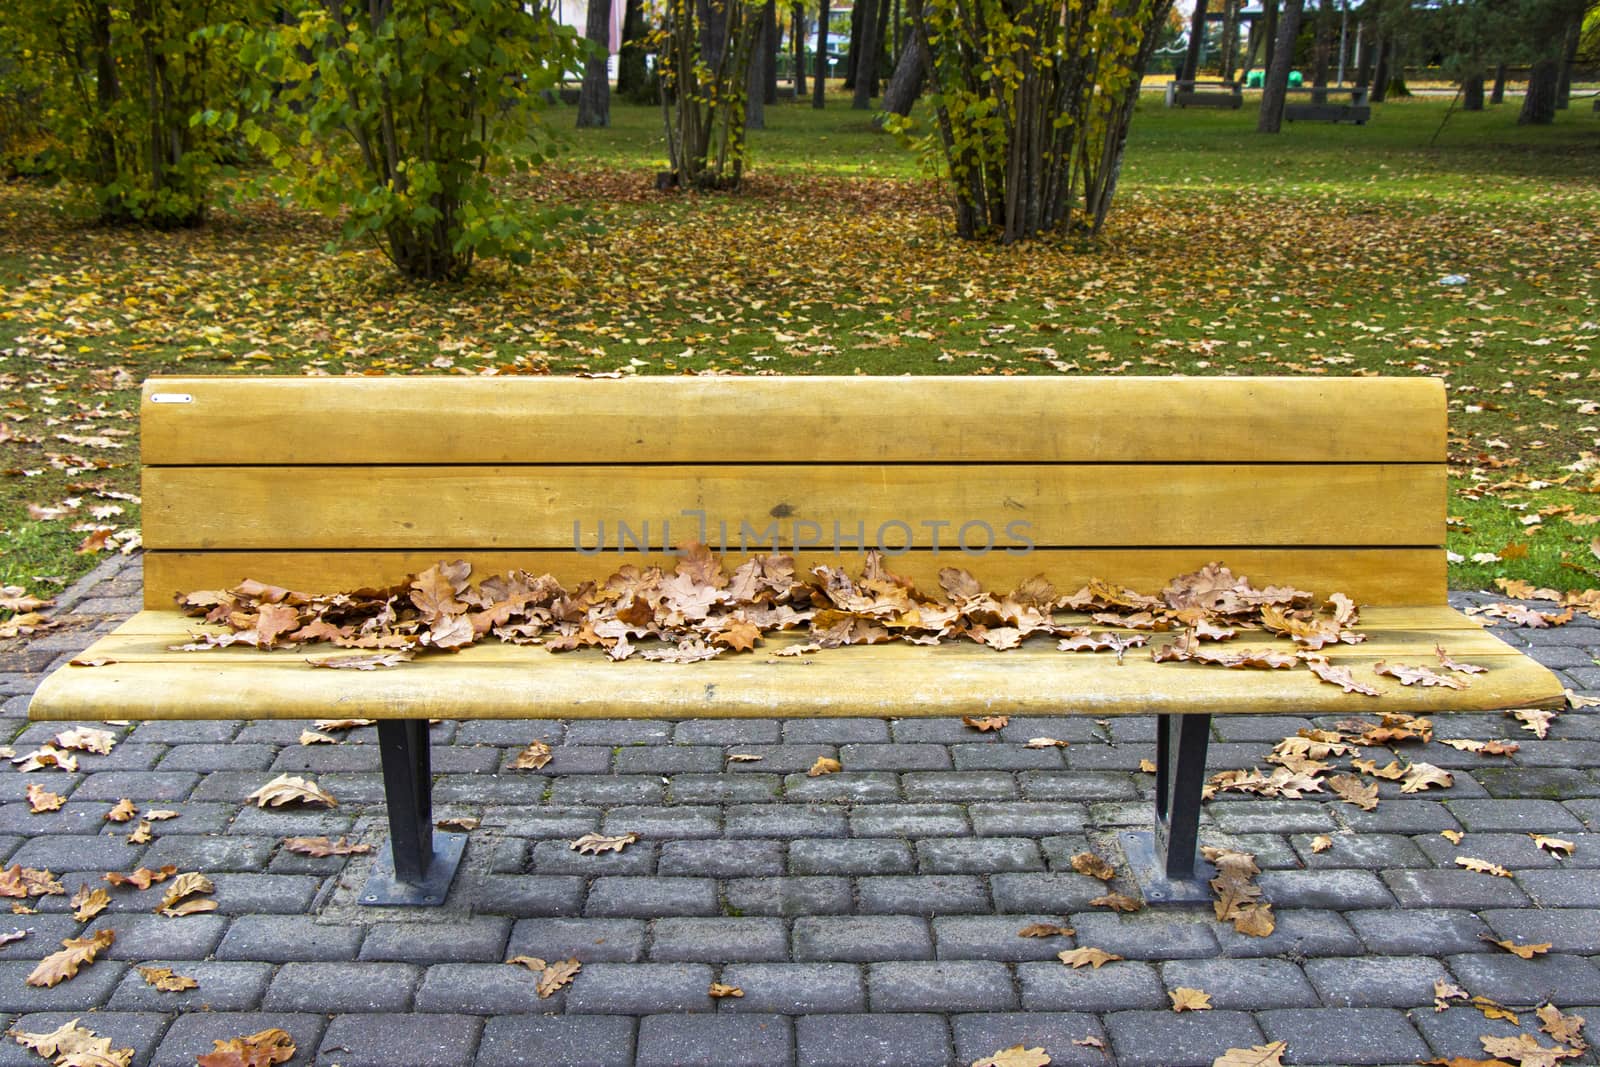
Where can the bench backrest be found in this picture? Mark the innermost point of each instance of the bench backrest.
(325, 484)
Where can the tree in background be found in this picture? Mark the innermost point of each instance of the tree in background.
(820, 82)
(1275, 85)
(117, 82)
(594, 97)
(867, 50)
(400, 112)
(633, 73)
(1032, 100)
(703, 91)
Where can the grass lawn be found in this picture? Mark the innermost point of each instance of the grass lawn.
(1319, 251)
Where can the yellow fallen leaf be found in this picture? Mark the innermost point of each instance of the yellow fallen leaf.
(718, 991)
(75, 952)
(1526, 952)
(286, 789)
(1482, 866)
(824, 765)
(1321, 843)
(163, 979)
(1186, 999)
(1015, 1056)
(1554, 845)
(1087, 956)
(1254, 1056)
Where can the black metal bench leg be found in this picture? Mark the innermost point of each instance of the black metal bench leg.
(421, 862)
(1163, 862)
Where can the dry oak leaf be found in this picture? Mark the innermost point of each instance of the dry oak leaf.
(1534, 720)
(1147, 766)
(1493, 1009)
(186, 885)
(286, 789)
(1046, 742)
(163, 979)
(41, 800)
(1321, 843)
(368, 661)
(319, 847)
(740, 635)
(160, 814)
(1567, 1029)
(1460, 668)
(343, 724)
(556, 976)
(1416, 675)
(1089, 1042)
(141, 833)
(1578, 700)
(1353, 790)
(19, 881)
(72, 1044)
(123, 811)
(1482, 866)
(1482, 748)
(1463, 1061)
(1254, 1056)
(594, 844)
(15, 935)
(464, 823)
(1452, 836)
(1086, 956)
(1339, 676)
(87, 903)
(532, 758)
(143, 878)
(1556, 846)
(1393, 772)
(1185, 998)
(87, 739)
(718, 990)
(1445, 991)
(75, 952)
(1015, 1056)
(1420, 776)
(260, 1049)
(824, 765)
(1526, 952)
(312, 737)
(1094, 866)
(1045, 930)
(987, 722)
(1117, 902)
(1526, 1050)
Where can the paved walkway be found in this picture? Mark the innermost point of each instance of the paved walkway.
(870, 917)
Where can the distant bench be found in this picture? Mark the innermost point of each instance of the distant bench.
(1200, 93)
(1350, 106)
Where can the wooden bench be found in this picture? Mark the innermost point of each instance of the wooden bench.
(1319, 108)
(332, 484)
(1200, 93)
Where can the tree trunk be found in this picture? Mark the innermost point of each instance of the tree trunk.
(1569, 56)
(852, 60)
(1277, 79)
(632, 72)
(1197, 38)
(820, 82)
(1380, 71)
(1472, 92)
(797, 38)
(906, 83)
(1539, 105)
(1367, 41)
(1498, 96)
(755, 97)
(1230, 38)
(1269, 37)
(1397, 68)
(1322, 50)
(867, 53)
(1252, 41)
(594, 99)
(713, 32)
(881, 53)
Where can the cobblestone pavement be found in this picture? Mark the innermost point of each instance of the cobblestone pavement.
(870, 917)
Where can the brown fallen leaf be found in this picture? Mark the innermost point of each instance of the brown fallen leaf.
(1526, 952)
(1015, 1056)
(1556, 846)
(986, 723)
(166, 981)
(1578, 700)
(87, 739)
(1254, 1056)
(123, 811)
(824, 765)
(1482, 866)
(183, 896)
(364, 661)
(1452, 836)
(41, 800)
(286, 789)
(744, 757)
(1416, 676)
(738, 635)
(1089, 1042)
(532, 758)
(1186, 999)
(1087, 956)
(1117, 902)
(141, 833)
(328, 725)
(1445, 991)
(320, 847)
(312, 737)
(1342, 677)
(1493, 1009)
(594, 844)
(1526, 1050)
(1147, 766)
(1321, 843)
(1045, 930)
(14, 935)
(1567, 1029)
(556, 976)
(1534, 720)
(71, 1041)
(87, 903)
(43, 757)
(259, 1049)
(1094, 866)
(463, 823)
(1421, 776)
(160, 814)
(1046, 742)
(718, 991)
(143, 878)
(75, 952)
(1353, 790)
(19, 881)
(1482, 748)
(1393, 772)
(1460, 668)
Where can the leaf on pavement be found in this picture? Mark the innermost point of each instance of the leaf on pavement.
(320, 847)
(1421, 776)
(185, 896)
(286, 789)
(70, 1040)
(532, 758)
(1046, 742)
(1353, 790)
(1254, 1056)
(987, 722)
(1045, 930)
(1093, 865)
(312, 737)
(253, 1050)
(1393, 772)
(718, 991)
(75, 952)
(1185, 998)
(163, 979)
(87, 903)
(1117, 902)
(41, 800)
(824, 765)
(1526, 952)
(557, 976)
(1087, 957)
(1472, 863)
(1445, 991)
(1567, 1029)
(1452, 836)
(1493, 1009)
(1015, 1056)
(87, 739)
(1556, 846)
(1527, 1050)
(143, 878)
(19, 881)
(141, 833)
(594, 844)
(1534, 720)
(1321, 843)
(122, 812)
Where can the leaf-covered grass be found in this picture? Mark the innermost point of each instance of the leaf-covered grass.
(1319, 251)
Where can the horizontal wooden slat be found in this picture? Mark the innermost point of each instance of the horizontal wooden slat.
(423, 419)
(1368, 575)
(1047, 505)
(890, 680)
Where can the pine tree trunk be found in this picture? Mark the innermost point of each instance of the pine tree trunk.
(1569, 56)
(906, 83)
(1277, 79)
(820, 81)
(1472, 92)
(1498, 96)
(1252, 41)
(1322, 50)
(1197, 37)
(1269, 37)
(769, 53)
(881, 53)
(755, 97)
(852, 60)
(632, 73)
(867, 54)
(1397, 69)
(1380, 72)
(1367, 40)
(1539, 105)
(1230, 38)
(594, 99)
(797, 38)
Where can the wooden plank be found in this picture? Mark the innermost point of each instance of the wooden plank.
(1019, 505)
(408, 420)
(1370, 576)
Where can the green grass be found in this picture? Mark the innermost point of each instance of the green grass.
(1314, 252)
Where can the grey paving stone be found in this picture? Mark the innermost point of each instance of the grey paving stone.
(513, 733)
(1522, 816)
(1418, 931)
(281, 939)
(101, 852)
(1116, 757)
(983, 1035)
(1051, 892)
(1115, 986)
(482, 989)
(342, 987)
(590, 940)
(846, 787)
(863, 938)
(378, 1040)
(1558, 978)
(871, 1041)
(71, 818)
(195, 1033)
(481, 939)
(1561, 889)
(140, 1031)
(724, 788)
(940, 985)
(568, 1040)
(640, 988)
(607, 790)
(1250, 985)
(1457, 1032)
(1015, 818)
(982, 855)
(1587, 811)
(894, 757)
(1365, 851)
(795, 988)
(223, 987)
(669, 759)
(192, 852)
(656, 824)
(280, 824)
(788, 896)
(1516, 851)
(646, 898)
(185, 731)
(147, 937)
(1344, 1035)
(938, 730)
(994, 937)
(721, 858)
(1400, 817)
(1571, 930)
(1537, 783)
(989, 757)
(782, 759)
(538, 823)
(327, 759)
(963, 786)
(126, 757)
(91, 989)
(1254, 816)
(910, 820)
(718, 940)
(1192, 1039)
(1268, 728)
(1078, 785)
(564, 759)
(524, 895)
(1300, 932)
(732, 732)
(610, 732)
(1337, 889)
(44, 932)
(851, 856)
(231, 756)
(725, 1040)
(559, 857)
(1385, 982)
(1453, 889)
(925, 894)
(783, 820)
(1148, 934)
(279, 894)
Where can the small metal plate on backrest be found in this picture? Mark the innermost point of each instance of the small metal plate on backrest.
(171, 398)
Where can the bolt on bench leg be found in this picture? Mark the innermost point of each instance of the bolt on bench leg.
(1163, 861)
(421, 862)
